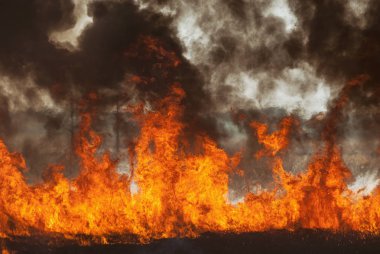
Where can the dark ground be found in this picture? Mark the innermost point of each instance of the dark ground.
(304, 241)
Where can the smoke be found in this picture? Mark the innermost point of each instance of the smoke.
(294, 56)
(45, 74)
(241, 60)
(69, 38)
(250, 52)
(365, 183)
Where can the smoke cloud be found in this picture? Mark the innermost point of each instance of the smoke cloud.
(240, 60)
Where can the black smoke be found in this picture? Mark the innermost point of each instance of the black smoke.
(101, 65)
(328, 40)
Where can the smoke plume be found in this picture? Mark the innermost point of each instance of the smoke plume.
(237, 60)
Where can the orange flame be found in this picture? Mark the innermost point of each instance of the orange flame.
(182, 191)
(275, 141)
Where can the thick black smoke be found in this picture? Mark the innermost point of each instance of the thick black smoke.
(237, 59)
(101, 65)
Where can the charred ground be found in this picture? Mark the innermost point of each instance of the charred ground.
(301, 241)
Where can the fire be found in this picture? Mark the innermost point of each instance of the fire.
(182, 184)
(275, 141)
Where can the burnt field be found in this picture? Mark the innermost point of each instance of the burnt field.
(303, 241)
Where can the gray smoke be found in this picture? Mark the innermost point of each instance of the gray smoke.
(242, 60)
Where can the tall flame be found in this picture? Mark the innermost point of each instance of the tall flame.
(182, 185)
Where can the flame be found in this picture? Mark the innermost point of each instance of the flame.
(181, 192)
(182, 184)
(275, 141)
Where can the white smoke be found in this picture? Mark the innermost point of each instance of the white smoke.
(365, 183)
(24, 95)
(69, 38)
(288, 91)
(280, 9)
(202, 25)
(356, 10)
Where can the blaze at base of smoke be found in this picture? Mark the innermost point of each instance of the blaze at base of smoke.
(182, 187)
